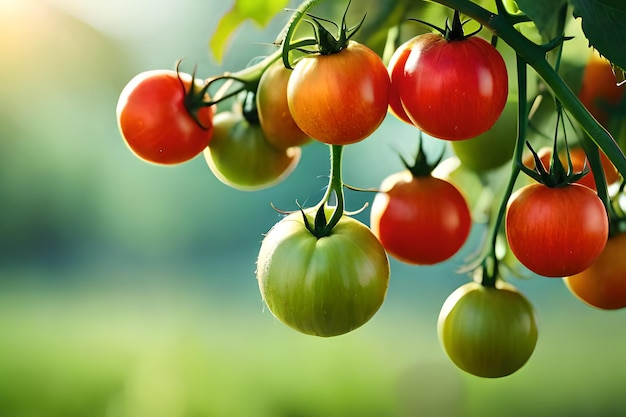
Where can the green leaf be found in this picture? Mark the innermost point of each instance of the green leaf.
(604, 24)
(260, 12)
(544, 14)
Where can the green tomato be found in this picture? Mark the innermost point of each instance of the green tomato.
(240, 156)
(493, 148)
(487, 331)
(322, 286)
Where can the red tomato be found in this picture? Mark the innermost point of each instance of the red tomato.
(556, 232)
(154, 121)
(451, 89)
(420, 220)
(274, 116)
(603, 284)
(599, 90)
(339, 98)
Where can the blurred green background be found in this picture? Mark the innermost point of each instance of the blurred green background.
(128, 289)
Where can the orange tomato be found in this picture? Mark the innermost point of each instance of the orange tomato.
(603, 284)
(599, 90)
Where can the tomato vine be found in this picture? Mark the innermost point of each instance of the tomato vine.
(337, 91)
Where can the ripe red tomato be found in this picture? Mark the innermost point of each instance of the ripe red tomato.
(603, 284)
(322, 286)
(339, 98)
(154, 121)
(556, 232)
(489, 332)
(420, 220)
(274, 116)
(599, 90)
(451, 89)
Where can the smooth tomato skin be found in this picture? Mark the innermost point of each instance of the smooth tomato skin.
(599, 90)
(556, 232)
(323, 287)
(395, 67)
(420, 220)
(241, 157)
(274, 116)
(494, 148)
(154, 122)
(339, 98)
(489, 332)
(603, 284)
(453, 90)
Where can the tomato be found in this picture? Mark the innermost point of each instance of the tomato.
(556, 232)
(603, 284)
(241, 157)
(339, 98)
(154, 121)
(322, 286)
(489, 332)
(274, 116)
(452, 89)
(420, 220)
(579, 162)
(395, 69)
(493, 148)
(599, 91)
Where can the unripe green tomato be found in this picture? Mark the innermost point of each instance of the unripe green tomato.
(240, 156)
(493, 148)
(487, 331)
(322, 286)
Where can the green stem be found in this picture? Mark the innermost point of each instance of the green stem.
(290, 30)
(535, 56)
(490, 260)
(595, 163)
(248, 78)
(335, 186)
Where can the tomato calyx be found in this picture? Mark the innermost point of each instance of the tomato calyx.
(327, 43)
(420, 167)
(555, 175)
(320, 227)
(194, 98)
(454, 32)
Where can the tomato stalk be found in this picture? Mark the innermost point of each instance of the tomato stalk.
(502, 25)
(248, 78)
(290, 29)
(489, 260)
(335, 186)
(321, 226)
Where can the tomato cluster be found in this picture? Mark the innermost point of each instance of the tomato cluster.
(251, 146)
(324, 273)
